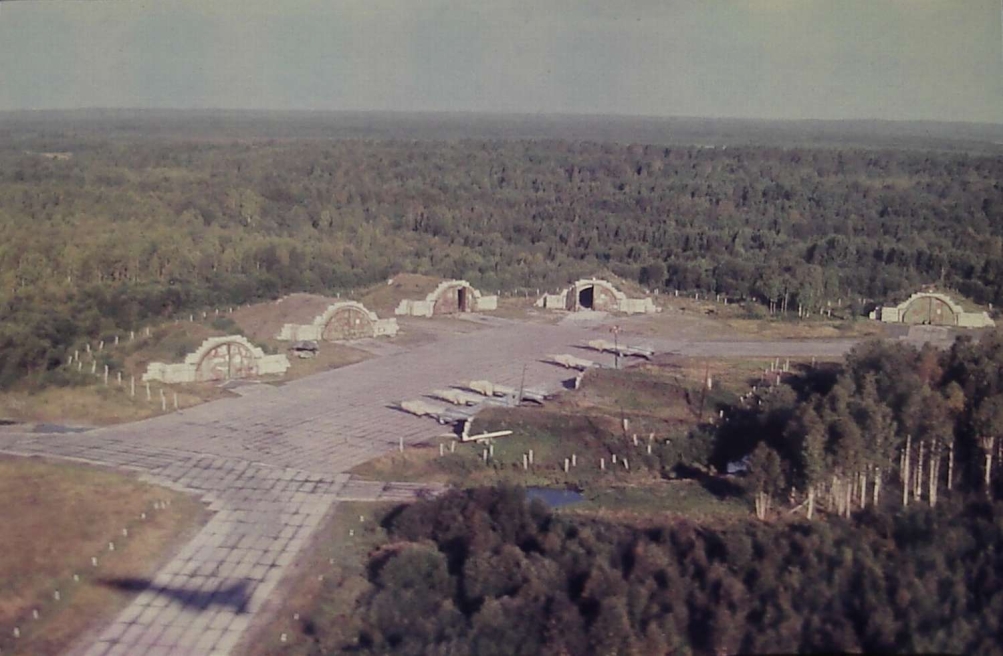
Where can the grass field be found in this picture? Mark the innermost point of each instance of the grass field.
(808, 329)
(56, 517)
(681, 498)
(709, 320)
(93, 404)
(586, 427)
(330, 356)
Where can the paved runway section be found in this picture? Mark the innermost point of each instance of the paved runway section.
(272, 463)
(332, 421)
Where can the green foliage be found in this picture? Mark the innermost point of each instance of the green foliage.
(128, 231)
(482, 571)
(754, 311)
(690, 450)
(414, 605)
(653, 275)
(226, 325)
(860, 420)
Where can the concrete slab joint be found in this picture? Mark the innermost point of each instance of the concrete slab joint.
(450, 297)
(343, 320)
(596, 294)
(219, 358)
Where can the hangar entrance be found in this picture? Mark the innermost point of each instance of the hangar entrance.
(586, 297)
(929, 311)
(461, 299)
(225, 361)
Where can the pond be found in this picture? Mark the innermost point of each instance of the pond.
(554, 497)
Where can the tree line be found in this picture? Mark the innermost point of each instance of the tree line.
(180, 222)
(482, 571)
(893, 425)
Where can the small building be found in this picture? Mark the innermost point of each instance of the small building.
(343, 320)
(932, 309)
(219, 358)
(595, 294)
(449, 297)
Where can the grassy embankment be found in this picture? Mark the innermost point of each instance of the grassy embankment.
(87, 401)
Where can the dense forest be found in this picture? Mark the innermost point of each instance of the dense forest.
(99, 234)
(483, 572)
(893, 426)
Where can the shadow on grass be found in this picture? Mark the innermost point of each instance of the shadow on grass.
(235, 596)
(720, 487)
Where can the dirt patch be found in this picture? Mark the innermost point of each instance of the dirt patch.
(331, 356)
(417, 331)
(56, 517)
(689, 319)
(383, 298)
(522, 309)
(675, 322)
(263, 321)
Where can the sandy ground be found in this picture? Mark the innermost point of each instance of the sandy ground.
(263, 321)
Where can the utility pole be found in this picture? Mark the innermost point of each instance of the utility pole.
(616, 346)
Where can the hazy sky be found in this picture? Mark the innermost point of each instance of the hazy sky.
(890, 59)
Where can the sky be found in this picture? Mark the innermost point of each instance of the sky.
(774, 59)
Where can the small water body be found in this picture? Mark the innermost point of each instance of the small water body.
(554, 497)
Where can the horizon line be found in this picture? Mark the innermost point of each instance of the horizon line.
(483, 113)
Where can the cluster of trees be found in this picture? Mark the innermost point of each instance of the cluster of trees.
(894, 424)
(194, 221)
(483, 572)
(748, 222)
